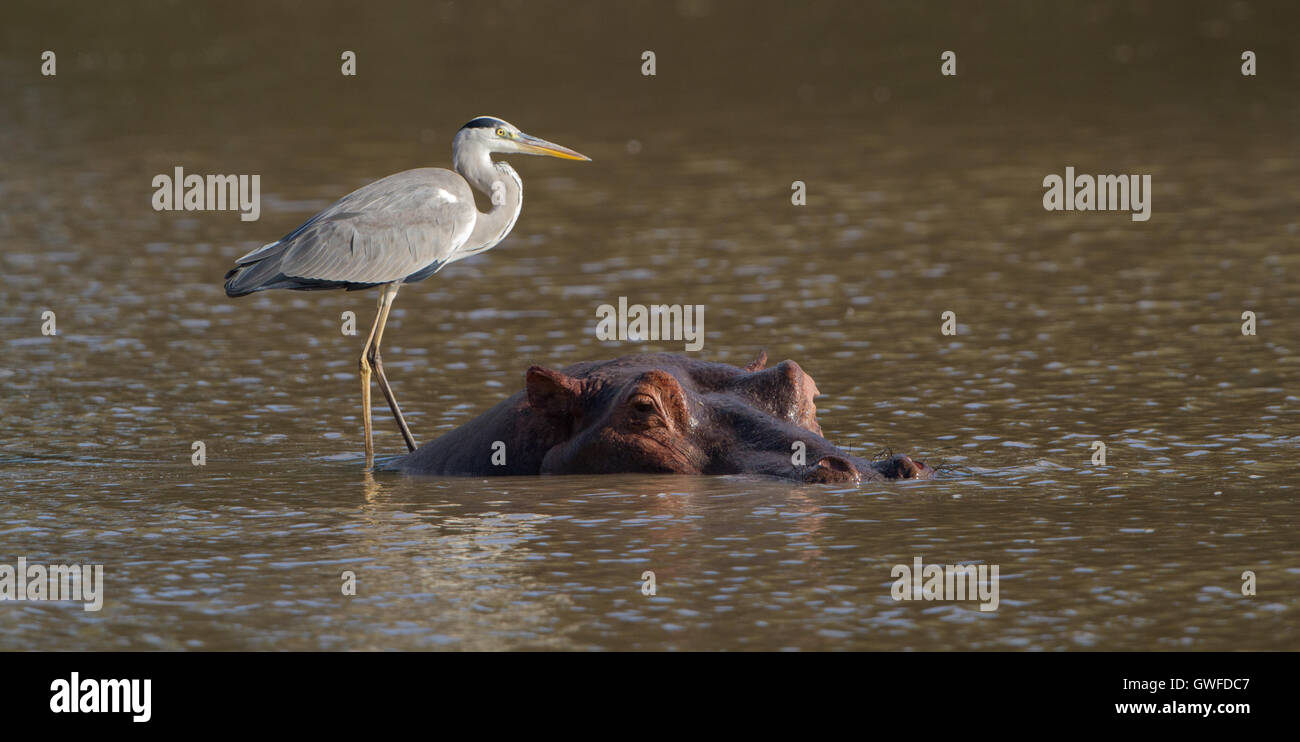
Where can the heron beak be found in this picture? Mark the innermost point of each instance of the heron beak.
(530, 144)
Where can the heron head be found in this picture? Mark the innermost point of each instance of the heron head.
(495, 135)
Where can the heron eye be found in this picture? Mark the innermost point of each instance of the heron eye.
(501, 132)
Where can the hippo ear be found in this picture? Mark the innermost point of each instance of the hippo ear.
(552, 393)
(759, 363)
(785, 391)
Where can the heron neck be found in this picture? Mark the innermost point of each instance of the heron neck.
(505, 191)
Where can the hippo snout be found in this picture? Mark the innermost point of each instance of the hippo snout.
(837, 469)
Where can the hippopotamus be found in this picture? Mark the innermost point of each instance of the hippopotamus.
(655, 413)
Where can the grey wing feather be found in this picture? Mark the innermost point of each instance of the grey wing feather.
(382, 232)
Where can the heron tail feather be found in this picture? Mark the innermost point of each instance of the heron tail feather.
(257, 271)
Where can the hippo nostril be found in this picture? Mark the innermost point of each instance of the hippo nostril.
(834, 469)
(907, 468)
(835, 463)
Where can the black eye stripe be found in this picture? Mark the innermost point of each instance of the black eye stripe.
(485, 122)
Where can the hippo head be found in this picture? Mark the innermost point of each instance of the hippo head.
(662, 413)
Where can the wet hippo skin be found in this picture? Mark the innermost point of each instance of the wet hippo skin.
(654, 413)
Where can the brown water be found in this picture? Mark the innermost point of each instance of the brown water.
(924, 196)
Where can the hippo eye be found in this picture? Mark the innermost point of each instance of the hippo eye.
(643, 404)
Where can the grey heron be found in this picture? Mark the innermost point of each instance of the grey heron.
(400, 229)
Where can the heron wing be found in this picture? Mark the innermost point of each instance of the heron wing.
(385, 231)
(382, 232)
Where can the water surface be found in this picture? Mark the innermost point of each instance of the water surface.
(924, 197)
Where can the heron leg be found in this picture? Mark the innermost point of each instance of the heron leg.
(364, 371)
(376, 361)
